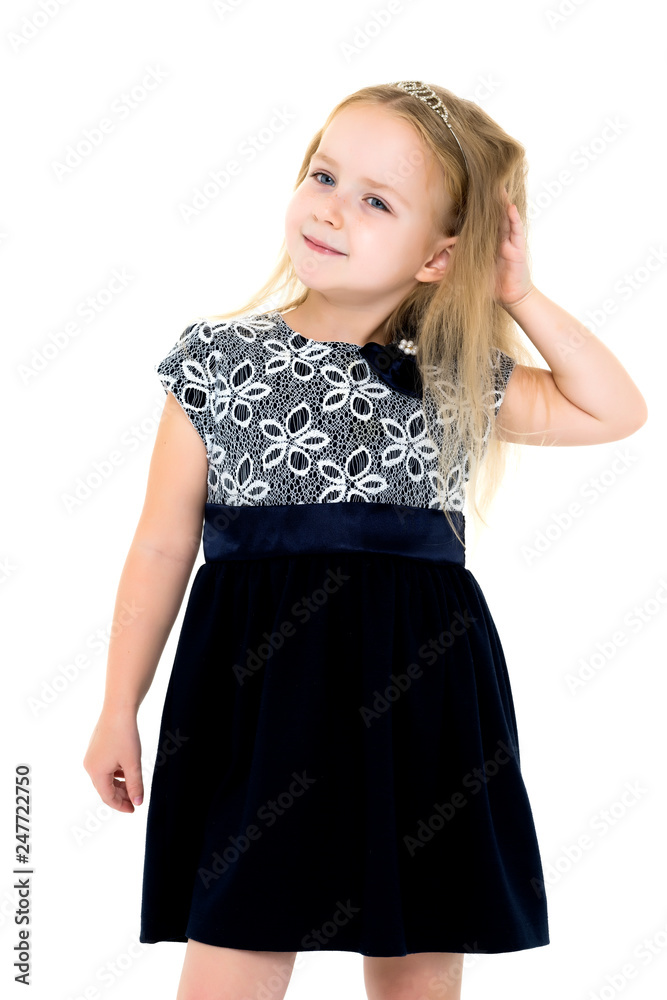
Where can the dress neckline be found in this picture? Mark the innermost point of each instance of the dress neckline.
(389, 362)
(333, 343)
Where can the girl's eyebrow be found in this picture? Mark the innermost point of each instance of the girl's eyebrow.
(365, 180)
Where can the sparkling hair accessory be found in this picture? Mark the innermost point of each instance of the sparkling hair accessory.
(428, 96)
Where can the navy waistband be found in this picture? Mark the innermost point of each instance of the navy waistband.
(300, 529)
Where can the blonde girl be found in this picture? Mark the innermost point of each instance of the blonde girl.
(338, 758)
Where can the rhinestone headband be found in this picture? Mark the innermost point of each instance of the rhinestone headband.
(428, 96)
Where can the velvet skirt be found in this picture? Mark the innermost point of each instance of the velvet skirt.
(338, 758)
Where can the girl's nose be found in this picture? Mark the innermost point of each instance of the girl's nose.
(329, 209)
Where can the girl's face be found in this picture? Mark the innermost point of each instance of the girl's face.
(374, 193)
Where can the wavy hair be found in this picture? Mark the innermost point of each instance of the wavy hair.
(456, 323)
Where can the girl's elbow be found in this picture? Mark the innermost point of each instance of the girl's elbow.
(633, 423)
(640, 415)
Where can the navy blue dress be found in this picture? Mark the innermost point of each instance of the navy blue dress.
(338, 759)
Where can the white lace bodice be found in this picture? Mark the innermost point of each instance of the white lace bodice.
(289, 420)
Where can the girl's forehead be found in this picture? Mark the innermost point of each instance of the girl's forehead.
(366, 128)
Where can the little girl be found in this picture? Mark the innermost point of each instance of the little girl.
(338, 758)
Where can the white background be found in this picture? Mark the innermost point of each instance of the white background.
(552, 81)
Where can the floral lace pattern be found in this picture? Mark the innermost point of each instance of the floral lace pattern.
(290, 420)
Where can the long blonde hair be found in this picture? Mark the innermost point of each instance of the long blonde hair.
(456, 323)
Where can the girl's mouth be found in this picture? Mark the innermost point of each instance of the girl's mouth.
(319, 249)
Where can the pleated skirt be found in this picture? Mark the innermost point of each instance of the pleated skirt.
(338, 758)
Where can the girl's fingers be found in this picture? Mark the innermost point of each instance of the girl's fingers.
(113, 791)
(506, 232)
(121, 786)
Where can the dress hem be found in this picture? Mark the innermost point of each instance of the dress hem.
(539, 938)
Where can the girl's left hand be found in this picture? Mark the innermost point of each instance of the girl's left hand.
(512, 278)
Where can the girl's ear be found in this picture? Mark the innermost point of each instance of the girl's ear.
(435, 267)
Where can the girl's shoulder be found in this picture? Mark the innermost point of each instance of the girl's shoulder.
(243, 332)
(205, 334)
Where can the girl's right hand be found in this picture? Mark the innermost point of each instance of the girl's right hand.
(114, 752)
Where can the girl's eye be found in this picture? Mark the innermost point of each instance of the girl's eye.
(322, 173)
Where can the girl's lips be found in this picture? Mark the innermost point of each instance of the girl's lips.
(319, 249)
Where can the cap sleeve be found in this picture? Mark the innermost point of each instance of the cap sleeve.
(188, 371)
(503, 366)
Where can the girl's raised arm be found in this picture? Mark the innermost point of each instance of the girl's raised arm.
(586, 398)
